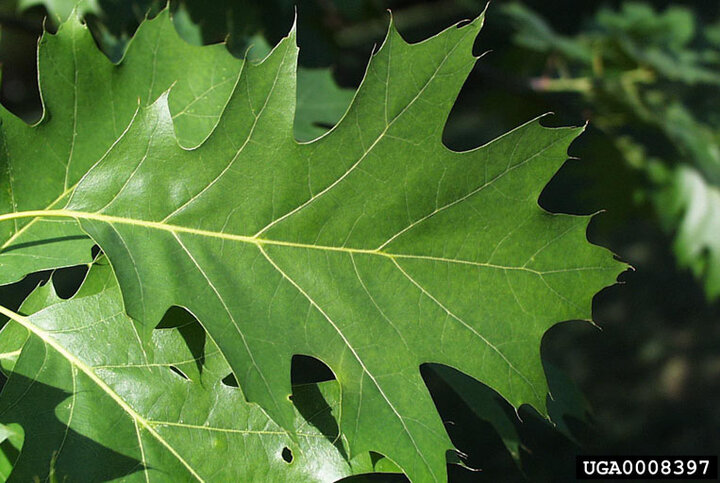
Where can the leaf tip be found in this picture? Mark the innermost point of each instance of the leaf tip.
(391, 21)
(392, 30)
(293, 28)
(475, 25)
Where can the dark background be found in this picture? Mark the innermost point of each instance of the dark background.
(651, 374)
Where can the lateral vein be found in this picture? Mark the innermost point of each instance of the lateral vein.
(87, 370)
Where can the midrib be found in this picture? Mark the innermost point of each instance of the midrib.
(254, 240)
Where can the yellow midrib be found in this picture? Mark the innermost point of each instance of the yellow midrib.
(82, 215)
(25, 227)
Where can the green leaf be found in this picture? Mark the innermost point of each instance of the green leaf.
(485, 404)
(14, 336)
(88, 102)
(346, 244)
(320, 103)
(11, 440)
(688, 195)
(564, 400)
(567, 401)
(62, 9)
(646, 76)
(534, 33)
(84, 385)
(689, 205)
(374, 248)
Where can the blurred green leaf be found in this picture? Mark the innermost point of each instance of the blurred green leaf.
(485, 403)
(646, 75)
(690, 206)
(566, 400)
(60, 10)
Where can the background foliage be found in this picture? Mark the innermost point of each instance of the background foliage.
(645, 76)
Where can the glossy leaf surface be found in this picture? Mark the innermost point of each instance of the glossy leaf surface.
(373, 248)
(95, 406)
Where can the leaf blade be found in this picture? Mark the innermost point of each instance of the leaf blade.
(139, 418)
(264, 251)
